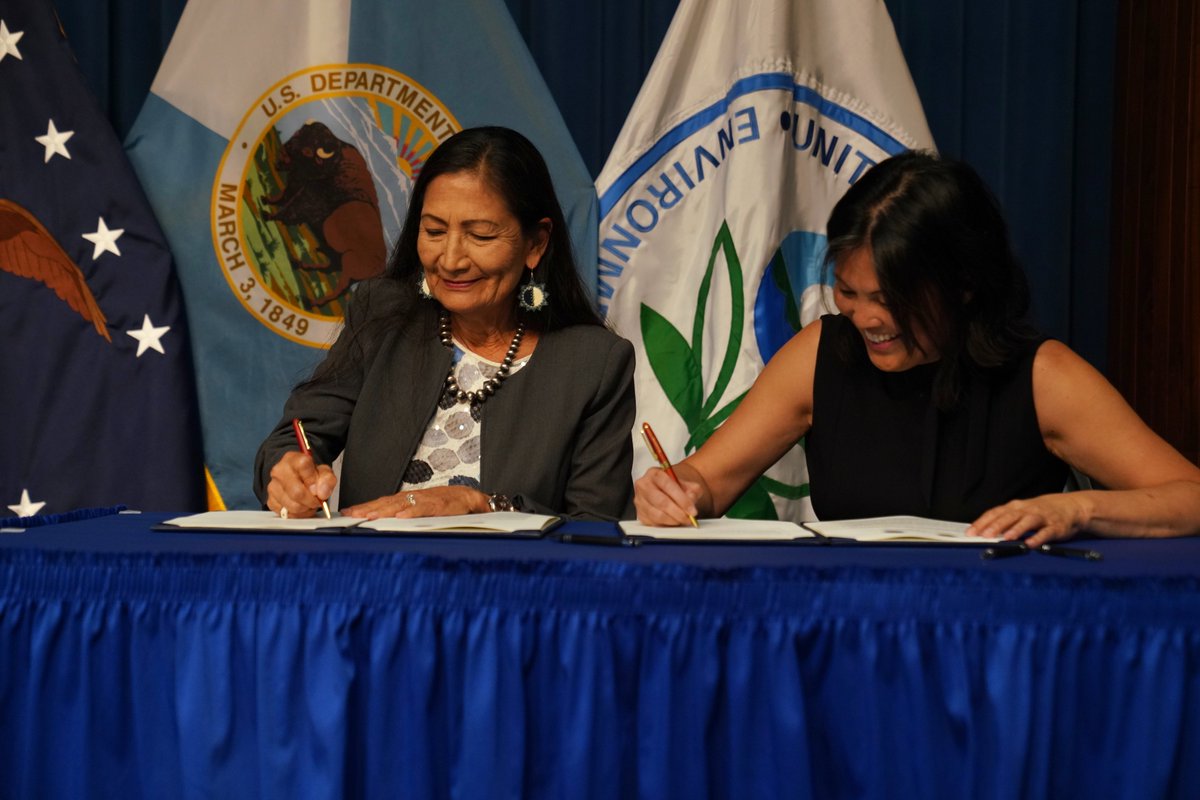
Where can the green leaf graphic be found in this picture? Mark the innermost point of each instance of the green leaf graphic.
(755, 503)
(674, 365)
(723, 244)
(784, 490)
(701, 433)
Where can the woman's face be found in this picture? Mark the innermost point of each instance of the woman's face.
(472, 248)
(858, 297)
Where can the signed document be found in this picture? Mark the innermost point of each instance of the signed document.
(721, 530)
(497, 523)
(897, 529)
(258, 521)
(512, 522)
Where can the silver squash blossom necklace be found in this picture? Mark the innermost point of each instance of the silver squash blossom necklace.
(491, 384)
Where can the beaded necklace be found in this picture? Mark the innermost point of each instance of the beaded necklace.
(491, 384)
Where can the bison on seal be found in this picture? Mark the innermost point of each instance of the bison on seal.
(329, 189)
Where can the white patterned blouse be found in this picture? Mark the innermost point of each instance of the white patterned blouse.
(448, 454)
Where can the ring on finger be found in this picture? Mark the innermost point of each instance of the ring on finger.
(412, 499)
(283, 512)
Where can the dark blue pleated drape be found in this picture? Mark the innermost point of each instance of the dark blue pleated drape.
(1021, 89)
(401, 675)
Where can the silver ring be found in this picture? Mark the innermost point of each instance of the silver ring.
(283, 512)
(412, 499)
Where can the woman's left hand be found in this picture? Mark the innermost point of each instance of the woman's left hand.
(440, 501)
(1048, 517)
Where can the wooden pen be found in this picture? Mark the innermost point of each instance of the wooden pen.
(661, 457)
(302, 439)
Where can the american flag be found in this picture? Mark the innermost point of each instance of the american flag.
(98, 402)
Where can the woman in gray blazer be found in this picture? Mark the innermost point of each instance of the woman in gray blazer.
(475, 375)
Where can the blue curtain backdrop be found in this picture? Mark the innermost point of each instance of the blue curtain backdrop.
(1022, 89)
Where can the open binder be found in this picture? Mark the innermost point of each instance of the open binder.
(498, 524)
(871, 530)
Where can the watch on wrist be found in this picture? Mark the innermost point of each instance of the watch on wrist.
(499, 502)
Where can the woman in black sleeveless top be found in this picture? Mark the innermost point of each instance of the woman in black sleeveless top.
(930, 394)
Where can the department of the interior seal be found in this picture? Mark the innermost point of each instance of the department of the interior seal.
(313, 187)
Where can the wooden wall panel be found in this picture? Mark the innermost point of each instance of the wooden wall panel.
(1154, 324)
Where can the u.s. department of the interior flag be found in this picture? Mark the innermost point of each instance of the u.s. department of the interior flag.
(755, 118)
(279, 145)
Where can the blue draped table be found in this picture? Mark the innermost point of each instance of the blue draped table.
(139, 663)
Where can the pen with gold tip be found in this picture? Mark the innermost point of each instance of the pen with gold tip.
(661, 457)
(302, 439)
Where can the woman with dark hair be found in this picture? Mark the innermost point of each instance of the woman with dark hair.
(931, 394)
(475, 375)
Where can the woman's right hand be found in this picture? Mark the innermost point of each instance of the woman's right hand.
(661, 501)
(299, 485)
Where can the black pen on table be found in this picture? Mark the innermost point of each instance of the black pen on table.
(1005, 551)
(660, 456)
(587, 538)
(302, 439)
(1070, 552)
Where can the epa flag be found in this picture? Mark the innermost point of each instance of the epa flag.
(754, 119)
(98, 404)
(279, 145)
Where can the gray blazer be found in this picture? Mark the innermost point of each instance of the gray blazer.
(557, 434)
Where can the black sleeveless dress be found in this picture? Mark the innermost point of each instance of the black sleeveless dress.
(878, 445)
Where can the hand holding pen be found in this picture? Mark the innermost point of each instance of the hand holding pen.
(661, 457)
(303, 440)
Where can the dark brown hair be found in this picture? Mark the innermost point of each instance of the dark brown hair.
(943, 259)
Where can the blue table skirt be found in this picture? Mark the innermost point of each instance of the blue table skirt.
(143, 670)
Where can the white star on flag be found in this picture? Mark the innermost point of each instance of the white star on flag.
(26, 508)
(105, 239)
(8, 42)
(148, 337)
(55, 142)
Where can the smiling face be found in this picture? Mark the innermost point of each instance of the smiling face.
(473, 250)
(858, 297)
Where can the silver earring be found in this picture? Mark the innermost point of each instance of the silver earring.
(423, 288)
(533, 295)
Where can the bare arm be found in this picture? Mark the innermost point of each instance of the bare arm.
(772, 417)
(1152, 489)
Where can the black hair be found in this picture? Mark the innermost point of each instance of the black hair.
(514, 169)
(944, 262)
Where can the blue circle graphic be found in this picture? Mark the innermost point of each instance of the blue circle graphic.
(797, 264)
